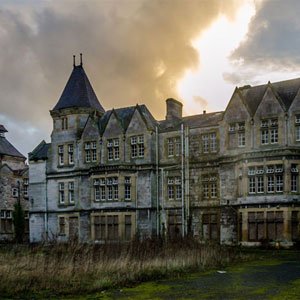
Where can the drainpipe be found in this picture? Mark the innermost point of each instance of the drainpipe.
(187, 178)
(286, 129)
(182, 182)
(157, 186)
(46, 212)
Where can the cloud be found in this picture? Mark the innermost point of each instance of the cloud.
(272, 42)
(134, 51)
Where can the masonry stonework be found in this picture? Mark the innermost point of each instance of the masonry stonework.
(231, 176)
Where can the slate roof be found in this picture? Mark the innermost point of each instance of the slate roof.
(78, 92)
(285, 90)
(124, 116)
(201, 120)
(6, 148)
(2, 128)
(40, 151)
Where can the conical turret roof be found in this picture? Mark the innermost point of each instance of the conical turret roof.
(78, 92)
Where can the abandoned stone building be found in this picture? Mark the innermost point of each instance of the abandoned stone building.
(229, 176)
(13, 186)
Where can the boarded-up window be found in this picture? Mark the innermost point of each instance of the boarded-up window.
(62, 225)
(210, 226)
(73, 227)
(97, 228)
(274, 225)
(174, 224)
(295, 226)
(112, 227)
(128, 226)
(256, 226)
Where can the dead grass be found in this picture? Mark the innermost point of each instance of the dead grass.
(74, 268)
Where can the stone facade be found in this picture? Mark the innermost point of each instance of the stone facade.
(228, 176)
(13, 186)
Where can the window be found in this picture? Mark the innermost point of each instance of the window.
(127, 188)
(270, 187)
(61, 192)
(236, 135)
(274, 225)
(213, 192)
(205, 143)
(71, 192)
(97, 187)
(260, 184)
(241, 139)
(128, 227)
(252, 189)
(269, 131)
(94, 151)
(25, 187)
(295, 225)
(279, 183)
(64, 123)
(113, 150)
(60, 155)
(108, 189)
(137, 146)
(209, 186)
(62, 225)
(170, 147)
(15, 192)
(71, 154)
(256, 227)
(264, 137)
(272, 176)
(174, 224)
(210, 226)
(297, 128)
(6, 222)
(174, 188)
(209, 142)
(294, 178)
(174, 146)
(113, 226)
(231, 127)
(213, 142)
(115, 188)
(90, 150)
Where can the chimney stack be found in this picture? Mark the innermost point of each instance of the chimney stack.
(174, 109)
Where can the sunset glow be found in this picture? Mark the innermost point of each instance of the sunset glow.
(205, 88)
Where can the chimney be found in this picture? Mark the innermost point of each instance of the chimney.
(174, 109)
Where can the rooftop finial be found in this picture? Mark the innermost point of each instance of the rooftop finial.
(74, 61)
(81, 59)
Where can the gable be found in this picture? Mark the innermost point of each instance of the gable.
(90, 130)
(269, 105)
(295, 106)
(113, 126)
(137, 123)
(236, 109)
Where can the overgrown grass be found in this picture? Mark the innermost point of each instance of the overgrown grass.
(62, 269)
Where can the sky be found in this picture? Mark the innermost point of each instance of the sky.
(139, 51)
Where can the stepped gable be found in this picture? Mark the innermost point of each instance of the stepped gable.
(78, 92)
(40, 151)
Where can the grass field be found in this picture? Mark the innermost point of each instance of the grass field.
(73, 269)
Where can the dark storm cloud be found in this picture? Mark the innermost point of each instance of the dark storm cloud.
(273, 40)
(134, 51)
